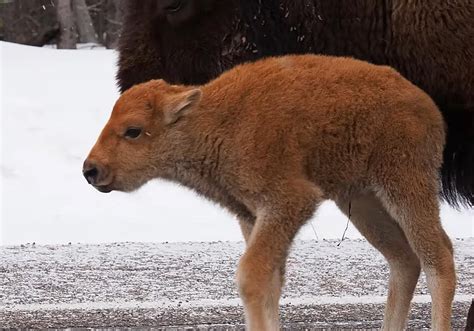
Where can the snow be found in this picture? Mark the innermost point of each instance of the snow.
(160, 304)
(143, 284)
(53, 105)
(165, 274)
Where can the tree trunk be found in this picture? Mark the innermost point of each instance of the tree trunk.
(7, 15)
(115, 11)
(68, 35)
(84, 24)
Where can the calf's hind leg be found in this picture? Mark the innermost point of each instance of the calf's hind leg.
(382, 231)
(412, 200)
(275, 227)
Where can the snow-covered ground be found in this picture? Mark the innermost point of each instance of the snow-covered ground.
(158, 284)
(53, 106)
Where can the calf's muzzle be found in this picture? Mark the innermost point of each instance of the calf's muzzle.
(94, 172)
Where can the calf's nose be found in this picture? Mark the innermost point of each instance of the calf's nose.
(92, 171)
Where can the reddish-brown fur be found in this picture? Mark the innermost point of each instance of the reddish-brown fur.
(271, 140)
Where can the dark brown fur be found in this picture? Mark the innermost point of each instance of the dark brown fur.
(470, 318)
(271, 140)
(429, 42)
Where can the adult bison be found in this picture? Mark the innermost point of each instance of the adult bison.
(429, 42)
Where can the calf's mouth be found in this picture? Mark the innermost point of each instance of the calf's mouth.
(103, 188)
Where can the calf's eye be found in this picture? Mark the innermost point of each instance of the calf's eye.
(133, 133)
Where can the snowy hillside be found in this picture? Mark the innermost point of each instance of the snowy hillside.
(53, 106)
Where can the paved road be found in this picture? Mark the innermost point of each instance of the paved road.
(185, 285)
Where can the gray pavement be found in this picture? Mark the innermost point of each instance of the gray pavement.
(190, 286)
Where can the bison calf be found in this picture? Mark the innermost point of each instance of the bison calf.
(271, 140)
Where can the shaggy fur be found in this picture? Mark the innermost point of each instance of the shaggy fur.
(429, 42)
(470, 318)
(271, 140)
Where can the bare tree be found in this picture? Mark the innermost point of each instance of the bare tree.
(30, 22)
(84, 24)
(40, 22)
(7, 15)
(114, 17)
(68, 35)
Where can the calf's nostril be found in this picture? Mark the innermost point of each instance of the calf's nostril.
(91, 172)
(91, 175)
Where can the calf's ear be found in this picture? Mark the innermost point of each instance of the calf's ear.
(180, 104)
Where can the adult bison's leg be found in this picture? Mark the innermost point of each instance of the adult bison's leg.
(285, 210)
(382, 231)
(470, 318)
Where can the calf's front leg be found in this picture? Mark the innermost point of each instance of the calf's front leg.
(259, 275)
(277, 281)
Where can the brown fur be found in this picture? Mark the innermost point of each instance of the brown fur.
(271, 140)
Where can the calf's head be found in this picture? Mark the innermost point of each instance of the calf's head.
(139, 140)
